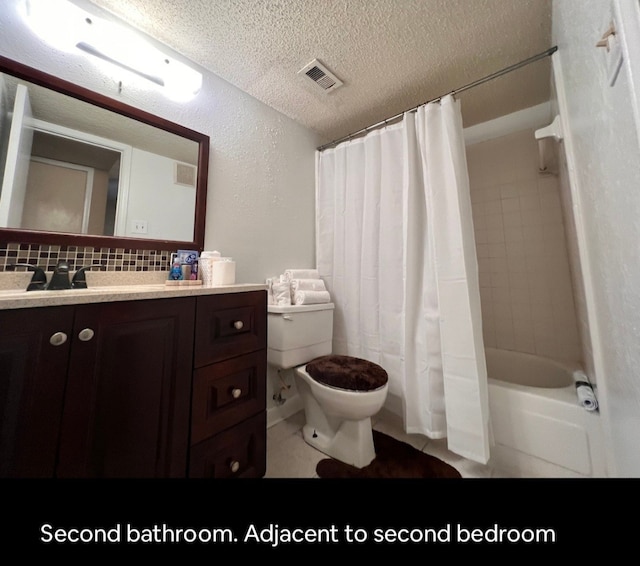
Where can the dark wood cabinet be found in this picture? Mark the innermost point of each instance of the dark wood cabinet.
(135, 389)
(228, 409)
(100, 390)
(237, 452)
(34, 355)
(230, 325)
(126, 410)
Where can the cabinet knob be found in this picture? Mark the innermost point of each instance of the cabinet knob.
(236, 392)
(86, 334)
(235, 466)
(58, 339)
(238, 325)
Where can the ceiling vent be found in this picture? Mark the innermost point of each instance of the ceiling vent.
(185, 174)
(320, 75)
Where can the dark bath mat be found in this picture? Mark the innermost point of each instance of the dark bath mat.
(394, 459)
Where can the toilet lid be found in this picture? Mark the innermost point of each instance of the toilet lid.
(347, 372)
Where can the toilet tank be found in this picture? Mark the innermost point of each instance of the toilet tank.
(297, 334)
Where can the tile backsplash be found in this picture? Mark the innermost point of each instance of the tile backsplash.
(114, 259)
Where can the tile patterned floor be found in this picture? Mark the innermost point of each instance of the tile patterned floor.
(289, 456)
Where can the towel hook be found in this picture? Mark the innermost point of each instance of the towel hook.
(604, 40)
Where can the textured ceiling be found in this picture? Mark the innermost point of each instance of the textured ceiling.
(392, 55)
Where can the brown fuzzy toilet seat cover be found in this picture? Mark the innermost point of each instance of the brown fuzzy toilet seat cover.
(347, 372)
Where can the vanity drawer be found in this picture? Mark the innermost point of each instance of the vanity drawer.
(227, 393)
(229, 325)
(238, 452)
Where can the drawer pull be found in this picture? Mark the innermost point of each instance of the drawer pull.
(238, 325)
(235, 466)
(236, 392)
(58, 339)
(86, 334)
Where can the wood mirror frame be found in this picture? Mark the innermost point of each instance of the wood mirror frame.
(43, 79)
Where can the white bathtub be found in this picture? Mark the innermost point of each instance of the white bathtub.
(539, 428)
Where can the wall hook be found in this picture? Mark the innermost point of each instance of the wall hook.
(604, 40)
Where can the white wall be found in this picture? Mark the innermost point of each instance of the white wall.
(154, 197)
(604, 165)
(260, 205)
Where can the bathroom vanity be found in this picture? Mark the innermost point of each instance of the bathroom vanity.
(139, 381)
(127, 379)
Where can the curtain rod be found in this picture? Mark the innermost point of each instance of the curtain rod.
(495, 75)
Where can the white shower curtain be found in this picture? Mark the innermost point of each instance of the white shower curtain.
(395, 246)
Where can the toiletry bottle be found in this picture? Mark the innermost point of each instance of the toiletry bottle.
(176, 270)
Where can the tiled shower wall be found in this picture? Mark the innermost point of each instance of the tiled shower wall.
(525, 277)
(114, 259)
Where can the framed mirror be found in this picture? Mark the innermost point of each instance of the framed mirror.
(79, 168)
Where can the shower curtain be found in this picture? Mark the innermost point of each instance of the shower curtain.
(395, 246)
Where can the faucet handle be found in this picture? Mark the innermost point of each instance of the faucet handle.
(79, 280)
(38, 279)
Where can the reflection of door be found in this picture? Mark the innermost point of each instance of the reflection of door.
(17, 164)
(109, 161)
(58, 197)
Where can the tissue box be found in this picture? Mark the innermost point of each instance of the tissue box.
(218, 271)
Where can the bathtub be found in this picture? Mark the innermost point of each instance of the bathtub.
(539, 429)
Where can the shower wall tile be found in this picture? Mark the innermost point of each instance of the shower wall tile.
(526, 286)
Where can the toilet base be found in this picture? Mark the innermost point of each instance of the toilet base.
(352, 443)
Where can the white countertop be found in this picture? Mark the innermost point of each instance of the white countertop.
(106, 287)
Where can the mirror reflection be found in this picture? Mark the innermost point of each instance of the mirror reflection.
(71, 167)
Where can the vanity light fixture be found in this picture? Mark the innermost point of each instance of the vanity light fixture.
(67, 27)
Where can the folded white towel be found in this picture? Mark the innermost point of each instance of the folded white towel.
(290, 274)
(311, 297)
(307, 285)
(281, 293)
(269, 281)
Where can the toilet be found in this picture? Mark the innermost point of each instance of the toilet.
(339, 393)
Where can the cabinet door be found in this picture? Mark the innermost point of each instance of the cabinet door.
(229, 325)
(226, 393)
(126, 411)
(239, 452)
(34, 352)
